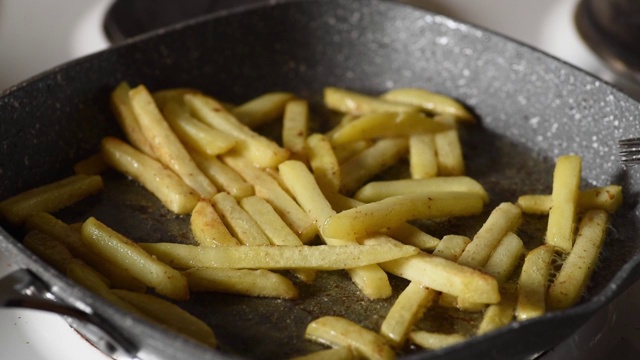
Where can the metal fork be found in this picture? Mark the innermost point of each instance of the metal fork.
(629, 150)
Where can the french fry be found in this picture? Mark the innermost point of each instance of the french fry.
(347, 151)
(48, 249)
(319, 257)
(504, 218)
(337, 332)
(370, 162)
(435, 341)
(323, 161)
(505, 257)
(165, 144)
(387, 124)
(449, 155)
(242, 225)
(532, 284)
(50, 197)
(259, 283)
(222, 176)
(127, 255)
(431, 102)
(404, 313)
(263, 109)
(372, 217)
(93, 165)
(259, 150)
(295, 127)
(194, 133)
(352, 102)
(579, 264)
(562, 215)
(608, 198)
(121, 107)
(451, 247)
(207, 227)
(339, 353)
(378, 190)
(269, 189)
(168, 187)
(170, 315)
(163, 97)
(498, 315)
(422, 156)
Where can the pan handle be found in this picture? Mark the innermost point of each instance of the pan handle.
(24, 289)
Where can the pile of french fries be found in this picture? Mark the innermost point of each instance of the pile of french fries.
(261, 210)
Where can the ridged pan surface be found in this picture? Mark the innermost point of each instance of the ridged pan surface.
(532, 108)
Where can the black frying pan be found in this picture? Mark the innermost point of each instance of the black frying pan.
(532, 109)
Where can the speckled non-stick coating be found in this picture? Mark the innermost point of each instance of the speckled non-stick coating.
(532, 109)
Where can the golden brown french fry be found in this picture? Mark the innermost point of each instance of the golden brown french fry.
(125, 254)
(339, 353)
(259, 283)
(259, 150)
(387, 124)
(170, 315)
(50, 197)
(352, 102)
(195, 133)
(168, 187)
(242, 225)
(576, 270)
(505, 257)
(449, 155)
(337, 331)
(422, 156)
(562, 215)
(93, 165)
(434, 341)
(532, 285)
(347, 151)
(165, 144)
(608, 198)
(404, 313)
(207, 227)
(370, 218)
(368, 163)
(121, 107)
(223, 176)
(295, 127)
(498, 315)
(431, 102)
(378, 190)
(163, 97)
(504, 218)
(263, 109)
(319, 257)
(323, 161)
(269, 189)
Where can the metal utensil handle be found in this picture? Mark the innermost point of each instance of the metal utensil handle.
(24, 289)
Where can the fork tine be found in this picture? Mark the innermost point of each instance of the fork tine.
(629, 151)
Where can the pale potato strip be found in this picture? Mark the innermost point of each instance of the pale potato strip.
(207, 227)
(449, 155)
(319, 257)
(434, 341)
(170, 315)
(451, 247)
(121, 107)
(163, 97)
(406, 310)
(295, 128)
(532, 285)
(127, 255)
(432, 102)
(168, 187)
(387, 124)
(505, 257)
(608, 198)
(263, 109)
(242, 225)
(371, 280)
(269, 189)
(378, 190)
(371, 161)
(422, 156)
(498, 315)
(93, 165)
(562, 215)
(337, 331)
(339, 353)
(196, 134)
(579, 264)
(166, 146)
(259, 150)
(352, 102)
(48, 249)
(323, 161)
(258, 283)
(223, 176)
(50, 197)
(372, 217)
(504, 218)
(347, 151)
